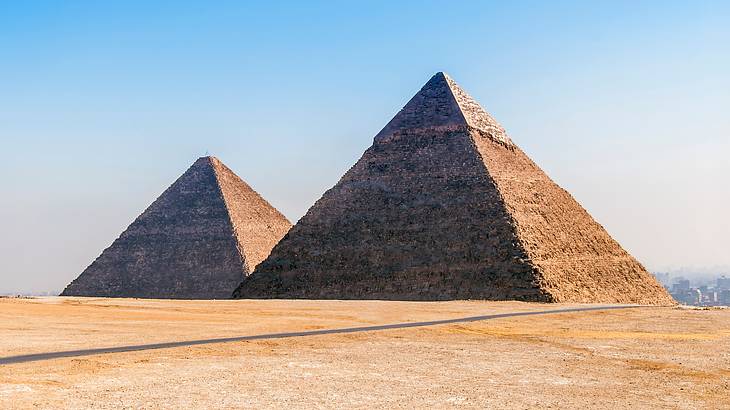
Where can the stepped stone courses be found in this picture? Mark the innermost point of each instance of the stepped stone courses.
(196, 241)
(443, 205)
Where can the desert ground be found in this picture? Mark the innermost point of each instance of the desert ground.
(644, 357)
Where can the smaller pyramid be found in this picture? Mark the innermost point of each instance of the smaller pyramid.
(198, 240)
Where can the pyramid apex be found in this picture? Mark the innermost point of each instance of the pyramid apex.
(443, 77)
(207, 160)
(442, 104)
(433, 107)
(203, 160)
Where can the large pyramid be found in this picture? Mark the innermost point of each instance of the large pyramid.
(444, 205)
(196, 241)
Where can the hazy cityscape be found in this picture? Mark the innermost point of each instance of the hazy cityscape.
(699, 289)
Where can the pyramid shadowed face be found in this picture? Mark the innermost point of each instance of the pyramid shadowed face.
(443, 206)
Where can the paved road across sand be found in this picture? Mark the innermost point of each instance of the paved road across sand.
(167, 345)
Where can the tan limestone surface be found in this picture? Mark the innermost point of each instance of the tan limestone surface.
(257, 225)
(646, 358)
(577, 259)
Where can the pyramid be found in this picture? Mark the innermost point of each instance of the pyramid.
(198, 240)
(444, 206)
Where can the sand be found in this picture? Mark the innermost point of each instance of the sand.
(650, 357)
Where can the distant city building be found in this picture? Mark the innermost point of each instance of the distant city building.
(682, 285)
(723, 297)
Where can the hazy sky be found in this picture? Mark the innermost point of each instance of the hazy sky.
(103, 106)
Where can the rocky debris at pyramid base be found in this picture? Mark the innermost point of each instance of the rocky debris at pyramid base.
(442, 206)
(198, 240)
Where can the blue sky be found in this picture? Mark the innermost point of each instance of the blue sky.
(102, 106)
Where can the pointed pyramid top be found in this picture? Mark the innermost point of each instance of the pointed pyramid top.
(442, 105)
(204, 162)
(213, 163)
(206, 159)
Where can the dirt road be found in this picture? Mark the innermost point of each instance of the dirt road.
(269, 336)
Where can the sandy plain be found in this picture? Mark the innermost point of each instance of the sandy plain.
(648, 357)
